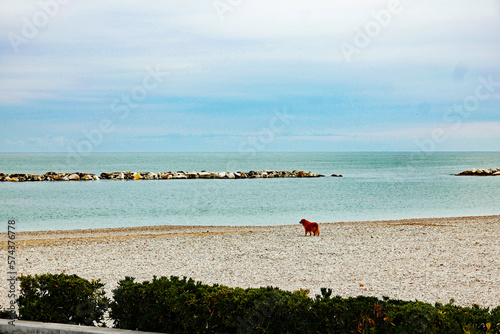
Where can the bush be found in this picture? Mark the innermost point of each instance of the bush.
(176, 305)
(62, 298)
(372, 315)
(7, 314)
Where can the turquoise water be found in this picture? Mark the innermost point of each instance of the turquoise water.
(374, 186)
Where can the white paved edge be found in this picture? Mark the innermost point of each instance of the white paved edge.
(34, 327)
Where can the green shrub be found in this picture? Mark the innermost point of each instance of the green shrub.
(7, 314)
(176, 305)
(62, 298)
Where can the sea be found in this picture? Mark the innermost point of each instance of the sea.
(374, 186)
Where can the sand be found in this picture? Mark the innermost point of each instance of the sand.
(432, 260)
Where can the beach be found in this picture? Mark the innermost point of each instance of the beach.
(431, 260)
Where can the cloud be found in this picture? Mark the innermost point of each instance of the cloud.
(226, 75)
(35, 144)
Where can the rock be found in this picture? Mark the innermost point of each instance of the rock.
(118, 176)
(479, 172)
(150, 176)
(128, 175)
(252, 174)
(35, 177)
(192, 175)
(336, 175)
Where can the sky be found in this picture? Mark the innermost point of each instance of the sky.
(249, 76)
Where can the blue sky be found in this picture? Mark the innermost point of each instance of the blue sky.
(241, 75)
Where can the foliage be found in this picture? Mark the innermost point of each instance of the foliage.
(62, 298)
(7, 314)
(175, 305)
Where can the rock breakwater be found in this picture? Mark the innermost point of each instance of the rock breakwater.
(49, 176)
(128, 175)
(480, 172)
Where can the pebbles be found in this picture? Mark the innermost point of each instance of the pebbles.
(432, 260)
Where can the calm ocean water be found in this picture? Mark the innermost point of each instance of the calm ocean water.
(375, 186)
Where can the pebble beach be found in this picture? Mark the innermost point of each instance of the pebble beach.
(431, 260)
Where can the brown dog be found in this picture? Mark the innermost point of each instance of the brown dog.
(310, 227)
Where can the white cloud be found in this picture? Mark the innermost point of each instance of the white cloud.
(91, 52)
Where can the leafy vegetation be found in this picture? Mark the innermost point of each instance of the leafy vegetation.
(182, 305)
(62, 298)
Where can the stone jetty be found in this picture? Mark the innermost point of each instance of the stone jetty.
(205, 175)
(49, 176)
(481, 172)
(128, 175)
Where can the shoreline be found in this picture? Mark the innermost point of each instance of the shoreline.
(428, 259)
(124, 233)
